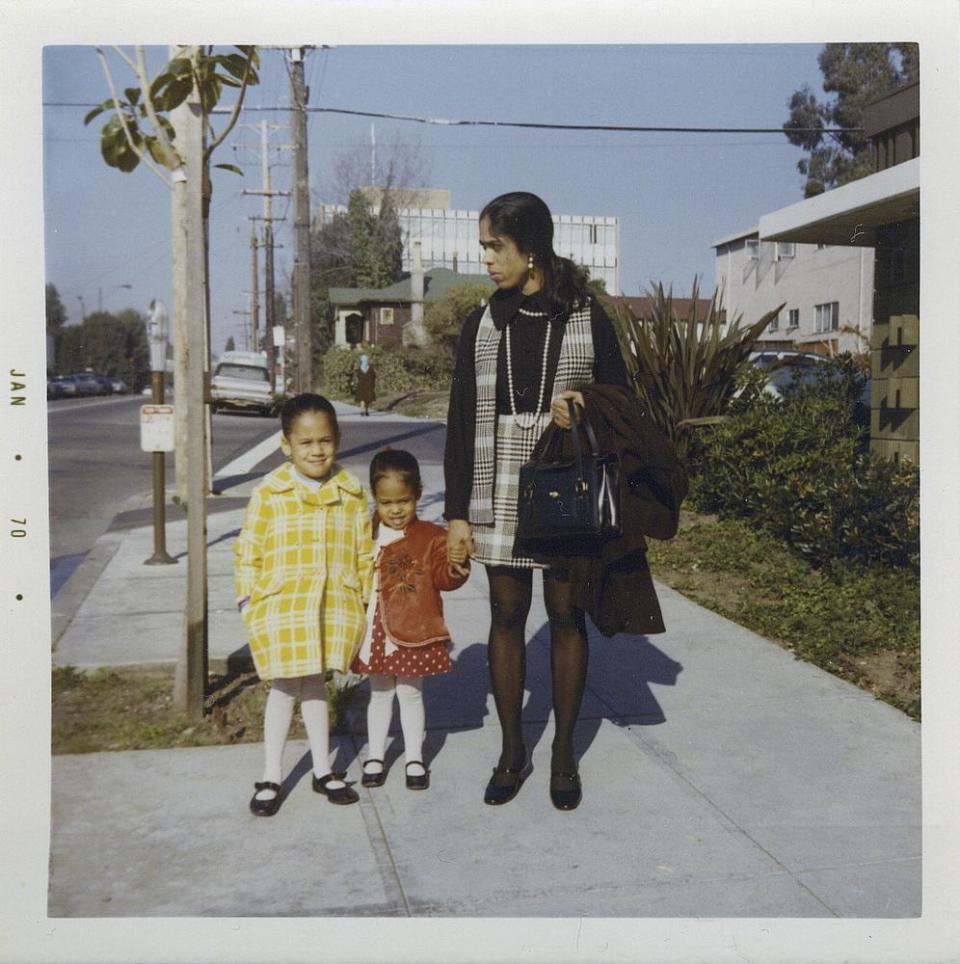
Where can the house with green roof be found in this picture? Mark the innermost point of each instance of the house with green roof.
(389, 316)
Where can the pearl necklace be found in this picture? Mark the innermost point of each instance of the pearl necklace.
(534, 418)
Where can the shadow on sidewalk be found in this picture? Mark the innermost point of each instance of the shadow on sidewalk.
(618, 688)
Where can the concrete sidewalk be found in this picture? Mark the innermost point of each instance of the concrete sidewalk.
(722, 778)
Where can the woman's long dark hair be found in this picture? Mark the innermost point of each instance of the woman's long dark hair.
(526, 219)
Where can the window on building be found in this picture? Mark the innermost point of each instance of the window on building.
(786, 250)
(753, 248)
(828, 316)
(775, 322)
(821, 246)
(793, 318)
(386, 316)
(592, 233)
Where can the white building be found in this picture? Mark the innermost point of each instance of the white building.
(827, 290)
(450, 238)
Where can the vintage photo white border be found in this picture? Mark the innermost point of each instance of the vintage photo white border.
(26, 933)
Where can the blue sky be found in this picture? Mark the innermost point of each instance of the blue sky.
(673, 193)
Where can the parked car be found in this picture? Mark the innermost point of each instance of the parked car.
(87, 383)
(118, 386)
(61, 386)
(770, 357)
(785, 374)
(241, 380)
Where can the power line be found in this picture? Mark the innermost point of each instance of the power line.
(533, 125)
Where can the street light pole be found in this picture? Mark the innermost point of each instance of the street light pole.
(83, 309)
(100, 294)
(157, 336)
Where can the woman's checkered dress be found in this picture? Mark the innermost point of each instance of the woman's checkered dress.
(512, 443)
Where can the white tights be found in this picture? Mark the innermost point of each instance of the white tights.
(277, 717)
(409, 690)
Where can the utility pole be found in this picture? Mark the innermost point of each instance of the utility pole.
(191, 675)
(268, 244)
(301, 260)
(247, 346)
(254, 292)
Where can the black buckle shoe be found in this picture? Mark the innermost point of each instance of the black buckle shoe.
(505, 784)
(569, 797)
(373, 779)
(339, 795)
(265, 808)
(415, 781)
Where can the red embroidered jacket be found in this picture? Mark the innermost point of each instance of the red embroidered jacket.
(413, 571)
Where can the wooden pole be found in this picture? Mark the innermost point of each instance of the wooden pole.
(301, 260)
(190, 682)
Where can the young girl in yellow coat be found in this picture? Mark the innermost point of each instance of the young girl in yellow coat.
(303, 564)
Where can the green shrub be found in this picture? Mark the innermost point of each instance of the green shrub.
(444, 317)
(800, 468)
(398, 369)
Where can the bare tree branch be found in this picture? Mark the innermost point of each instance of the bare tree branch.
(234, 117)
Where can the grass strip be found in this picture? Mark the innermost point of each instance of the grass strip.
(860, 625)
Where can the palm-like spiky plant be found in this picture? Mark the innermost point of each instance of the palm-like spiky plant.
(684, 369)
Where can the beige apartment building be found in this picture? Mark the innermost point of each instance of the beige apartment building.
(826, 290)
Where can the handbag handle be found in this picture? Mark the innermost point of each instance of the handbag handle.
(576, 423)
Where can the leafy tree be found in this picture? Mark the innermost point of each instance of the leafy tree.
(376, 242)
(444, 317)
(56, 313)
(854, 74)
(138, 130)
(231, 345)
(107, 343)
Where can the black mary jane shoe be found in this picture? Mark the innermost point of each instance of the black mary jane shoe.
(510, 781)
(339, 795)
(373, 779)
(265, 808)
(417, 781)
(570, 796)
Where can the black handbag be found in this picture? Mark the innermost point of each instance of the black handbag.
(569, 507)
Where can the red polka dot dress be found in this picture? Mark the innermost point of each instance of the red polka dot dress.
(380, 656)
(429, 660)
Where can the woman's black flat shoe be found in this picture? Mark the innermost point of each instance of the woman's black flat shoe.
(339, 795)
(504, 784)
(265, 808)
(569, 796)
(373, 779)
(418, 781)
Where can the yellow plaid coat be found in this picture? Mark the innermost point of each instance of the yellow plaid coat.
(305, 559)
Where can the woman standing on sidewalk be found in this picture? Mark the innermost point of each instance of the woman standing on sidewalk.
(365, 384)
(519, 359)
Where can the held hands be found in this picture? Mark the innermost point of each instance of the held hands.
(559, 409)
(459, 546)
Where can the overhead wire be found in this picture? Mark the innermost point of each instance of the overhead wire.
(533, 125)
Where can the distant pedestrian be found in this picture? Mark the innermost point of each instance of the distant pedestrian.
(406, 637)
(365, 384)
(304, 564)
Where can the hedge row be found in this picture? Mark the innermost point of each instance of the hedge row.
(800, 468)
(398, 369)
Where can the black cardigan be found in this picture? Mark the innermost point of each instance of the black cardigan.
(527, 354)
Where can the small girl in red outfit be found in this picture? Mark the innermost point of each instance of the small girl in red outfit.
(406, 636)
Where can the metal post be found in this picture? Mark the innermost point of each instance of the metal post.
(160, 556)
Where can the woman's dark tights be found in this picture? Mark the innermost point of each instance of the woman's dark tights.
(510, 593)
